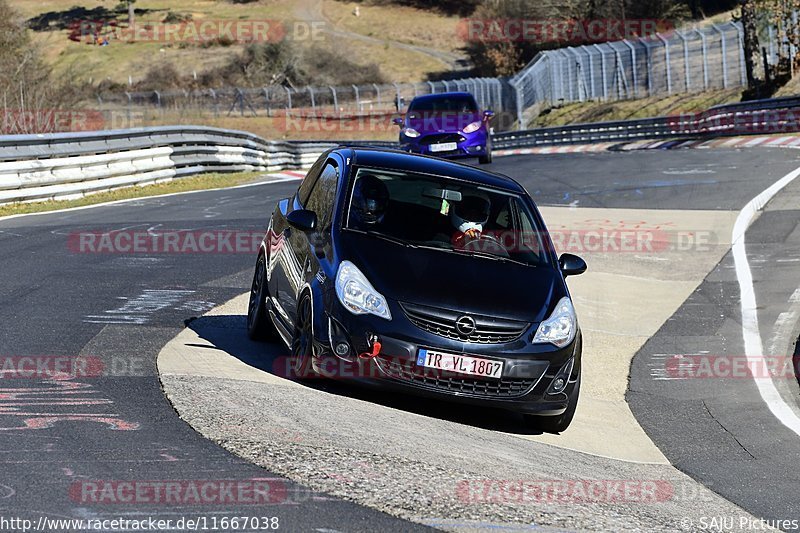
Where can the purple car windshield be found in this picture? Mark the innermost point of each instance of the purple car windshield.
(444, 104)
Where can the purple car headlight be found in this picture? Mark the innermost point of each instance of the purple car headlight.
(472, 128)
(410, 132)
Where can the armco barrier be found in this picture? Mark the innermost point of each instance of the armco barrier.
(50, 166)
(771, 116)
(68, 165)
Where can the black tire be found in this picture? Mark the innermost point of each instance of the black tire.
(486, 159)
(303, 339)
(259, 325)
(556, 424)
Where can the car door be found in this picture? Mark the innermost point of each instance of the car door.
(281, 256)
(304, 246)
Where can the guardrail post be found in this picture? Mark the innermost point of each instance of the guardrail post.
(634, 67)
(724, 50)
(705, 57)
(667, 62)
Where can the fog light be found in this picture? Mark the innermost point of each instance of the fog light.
(342, 349)
(561, 380)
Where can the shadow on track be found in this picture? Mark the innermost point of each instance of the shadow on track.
(229, 334)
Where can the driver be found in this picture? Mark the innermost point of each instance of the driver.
(469, 216)
(370, 200)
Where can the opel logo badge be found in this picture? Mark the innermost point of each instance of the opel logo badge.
(465, 325)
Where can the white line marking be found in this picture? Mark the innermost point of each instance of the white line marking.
(750, 329)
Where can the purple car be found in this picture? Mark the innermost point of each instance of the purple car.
(446, 125)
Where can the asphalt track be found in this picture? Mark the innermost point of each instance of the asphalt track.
(56, 302)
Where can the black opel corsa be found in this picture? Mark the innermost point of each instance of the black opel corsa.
(426, 275)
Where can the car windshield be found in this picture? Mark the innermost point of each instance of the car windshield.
(445, 214)
(445, 104)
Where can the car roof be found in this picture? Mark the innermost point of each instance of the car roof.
(397, 160)
(436, 96)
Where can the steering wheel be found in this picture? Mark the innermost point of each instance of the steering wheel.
(487, 243)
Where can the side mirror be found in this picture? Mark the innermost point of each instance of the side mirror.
(488, 114)
(571, 265)
(397, 121)
(302, 219)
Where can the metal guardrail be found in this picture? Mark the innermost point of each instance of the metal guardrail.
(778, 115)
(68, 165)
(65, 165)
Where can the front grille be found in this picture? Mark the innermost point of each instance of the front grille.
(441, 381)
(442, 322)
(437, 138)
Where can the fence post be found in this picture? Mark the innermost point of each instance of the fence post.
(130, 111)
(289, 99)
(216, 102)
(648, 65)
(603, 73)
(724, 50)
(313, 101)
(432, 86)
(667, 62)
(742, 68)
(266, 101)
(358, 99)
(397, 100)
(634, 67)
(705, 57)
(377, 92)
(335, 100)
(520, 105)
(687, 82)
(771, 42)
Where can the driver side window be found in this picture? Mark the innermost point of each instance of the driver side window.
(323, 197)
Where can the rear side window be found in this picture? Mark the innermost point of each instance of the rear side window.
(323, 196)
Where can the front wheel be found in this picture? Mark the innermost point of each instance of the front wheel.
(303, 339)
(259, 325)
(559, 423)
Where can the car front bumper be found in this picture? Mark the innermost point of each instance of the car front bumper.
(467, 145)
(529, 370)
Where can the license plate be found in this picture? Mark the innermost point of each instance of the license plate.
(444, 147)
(460, 364)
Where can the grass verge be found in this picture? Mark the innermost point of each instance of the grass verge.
(192, 183)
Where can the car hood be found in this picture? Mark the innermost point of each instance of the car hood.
(457, 282)
(442, 122)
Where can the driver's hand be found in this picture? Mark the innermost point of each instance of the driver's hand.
(473, 233)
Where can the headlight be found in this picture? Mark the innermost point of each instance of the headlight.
(410, 132)
(561, 327)
(472, 128)
(357, 294)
